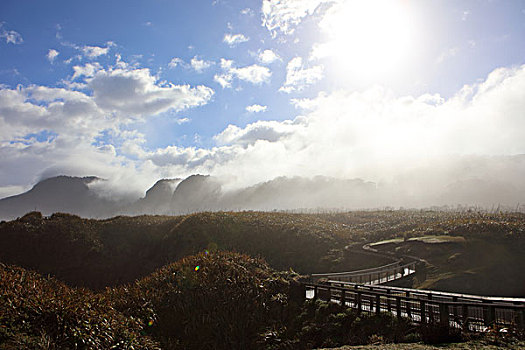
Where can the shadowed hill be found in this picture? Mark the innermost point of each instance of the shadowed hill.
(99, 253)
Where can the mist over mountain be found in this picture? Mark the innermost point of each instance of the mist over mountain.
(60, 194)
(487, 182)
(157, 199)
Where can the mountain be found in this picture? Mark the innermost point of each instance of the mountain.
(59, 194)
(157, 200)
(483, 182)
(197, 193)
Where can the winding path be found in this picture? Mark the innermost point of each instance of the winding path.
(364, 291)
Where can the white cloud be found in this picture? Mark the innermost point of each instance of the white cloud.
(298, 77)
(284, 16)
(62, 131)
(224, 80)
(247, 12)
(10, 36)
(136, 92)
(226, 64)
(87, 70)
(200, 65)
(52, 54)
(254, 74)
(234, 39)
(371, 134)
(181, 121)
(374, 135)
(270, 131)
(268, 56)
(176, 61)
(196, 64)
(255, 108)
(38, 108)
(96, 51)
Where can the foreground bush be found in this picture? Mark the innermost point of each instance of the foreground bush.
(211, 301)
(42, 313)
(323, 324)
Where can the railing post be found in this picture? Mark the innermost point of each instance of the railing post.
(388, 306)
(489, 314)
(430, 309)
(378, 304)
(455, 307)
(343, 297)
(521, 318)
(398, 306)
(422, 308)
(443, 314)
(358, 302)
(315, 293)
(465, 318)
(409, 312)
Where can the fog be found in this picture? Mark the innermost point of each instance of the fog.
(346, 150)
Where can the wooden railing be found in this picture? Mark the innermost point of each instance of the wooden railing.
(376, 275)
(469, 312)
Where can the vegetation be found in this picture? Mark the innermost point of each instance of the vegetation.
(43, 313)
(173, 282)
(100, 253)
(480, 246)
(211, 301)
(208, 301)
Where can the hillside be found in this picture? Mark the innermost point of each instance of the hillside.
(100, 253)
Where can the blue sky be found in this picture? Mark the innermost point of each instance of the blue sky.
(139, 90)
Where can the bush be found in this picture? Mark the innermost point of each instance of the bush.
(212, 300)
(42, 313)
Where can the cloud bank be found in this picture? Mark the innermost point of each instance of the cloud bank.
(425, 144)
(421, 143)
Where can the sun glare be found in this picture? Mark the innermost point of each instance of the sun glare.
(368, 39)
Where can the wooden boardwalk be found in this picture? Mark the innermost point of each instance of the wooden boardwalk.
(362, 290)
(376, 275)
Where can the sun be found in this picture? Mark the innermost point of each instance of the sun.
(367, 39)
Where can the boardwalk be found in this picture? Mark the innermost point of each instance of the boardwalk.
(363, 291)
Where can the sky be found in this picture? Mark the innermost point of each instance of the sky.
(134, 91)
